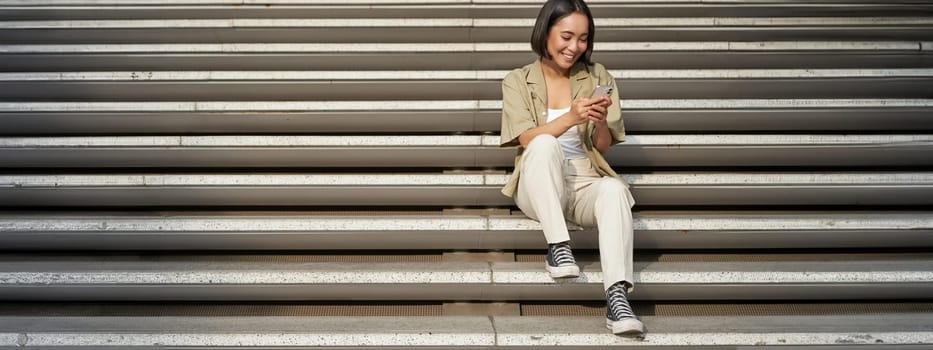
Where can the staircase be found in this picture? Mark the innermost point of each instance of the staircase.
(301, 173)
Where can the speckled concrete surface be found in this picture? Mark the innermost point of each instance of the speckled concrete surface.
(749, 331)
(372, 231)
(701, 222)
(668, 179)
(251, 331)
(132, 272)
(241, 224)
(506, 331)
(238, 273)
(239, 180)
(918, 271)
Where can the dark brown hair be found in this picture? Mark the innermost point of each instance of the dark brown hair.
(553, 11)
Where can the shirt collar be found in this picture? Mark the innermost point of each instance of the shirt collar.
(535, 78)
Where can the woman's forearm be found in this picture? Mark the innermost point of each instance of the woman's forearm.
(602, 139)
(554, 128)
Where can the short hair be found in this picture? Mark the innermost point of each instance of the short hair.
(550, 13)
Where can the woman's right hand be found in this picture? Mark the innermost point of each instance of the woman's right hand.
(580, 109)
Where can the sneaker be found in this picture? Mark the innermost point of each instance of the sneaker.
(619, 316)
(560, 261)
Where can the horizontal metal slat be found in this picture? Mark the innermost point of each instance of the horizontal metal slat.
(621, 9)
(229, 280)
(673, 230)
(704, 189)
(455, 151)
(144, 61)
(894, 329)
(481, 84)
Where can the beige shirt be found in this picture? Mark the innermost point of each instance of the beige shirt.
(524, 106)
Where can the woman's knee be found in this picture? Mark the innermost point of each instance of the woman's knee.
(613, 188)
(543, 142)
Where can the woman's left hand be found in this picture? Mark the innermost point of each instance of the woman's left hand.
(597, 111)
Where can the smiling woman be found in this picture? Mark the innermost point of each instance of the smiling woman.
(561, 130)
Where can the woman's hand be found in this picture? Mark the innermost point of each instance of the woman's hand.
(589, 109)
(599, 110)
(601, 135)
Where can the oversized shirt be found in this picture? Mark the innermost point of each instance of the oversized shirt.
(524, 106)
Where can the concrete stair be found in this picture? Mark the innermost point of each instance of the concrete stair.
(280, 277)
(454, 230)
(304, 173)
(723, 150)
(461, 332)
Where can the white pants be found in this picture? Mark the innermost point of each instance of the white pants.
(552, 189)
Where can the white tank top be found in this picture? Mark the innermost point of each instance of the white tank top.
(569, 140)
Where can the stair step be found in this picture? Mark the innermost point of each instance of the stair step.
(480, 10)
(441, 75)
(648, 58)
(127, 278)
(480, 47)
(677, 115)
(440, 308)
(387, 85)
(277, 231)
(703, 188)
(440, 105)
(451, 30)
(463, 22)
(871, 331)
(245, 151)
(403, 3)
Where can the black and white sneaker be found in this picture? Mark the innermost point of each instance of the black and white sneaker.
(560, 261)
(619, 316)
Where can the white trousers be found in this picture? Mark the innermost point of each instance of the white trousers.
(552, 190)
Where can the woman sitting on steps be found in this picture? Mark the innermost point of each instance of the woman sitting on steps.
(562, 131)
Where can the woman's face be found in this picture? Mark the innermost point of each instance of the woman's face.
(567, 39)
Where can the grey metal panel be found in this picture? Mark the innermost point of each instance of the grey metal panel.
(195, 230)
(464, 195)
(824, 119)
(401, 34)
(455, 61)
(147, 279)
(819, 155)
(486, 292)
(42, 123)
(621, 156)
(240, 157)
(411, 195)
(244, 90)
(239, 35)
(850, 87)
(475, 10)
(778, 194)
(456, 240)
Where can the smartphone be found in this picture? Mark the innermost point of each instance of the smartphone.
(602, 91)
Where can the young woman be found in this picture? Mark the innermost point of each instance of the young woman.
(561, 133)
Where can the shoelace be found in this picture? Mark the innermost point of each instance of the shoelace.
(617, 306)
(561, 254)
